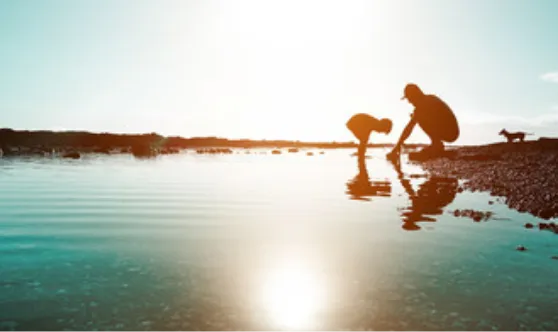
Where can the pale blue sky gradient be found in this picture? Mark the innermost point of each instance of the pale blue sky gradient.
(276, 69)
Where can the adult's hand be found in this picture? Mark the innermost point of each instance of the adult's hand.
(393, 155)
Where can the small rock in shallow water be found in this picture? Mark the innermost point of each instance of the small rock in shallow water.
(71, 155)
(521, 248)
(528, 225)
(555, 257)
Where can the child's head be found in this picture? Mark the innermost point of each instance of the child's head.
(385, 126)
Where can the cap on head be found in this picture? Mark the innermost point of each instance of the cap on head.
(412, 92)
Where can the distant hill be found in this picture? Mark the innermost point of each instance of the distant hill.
(85, 140)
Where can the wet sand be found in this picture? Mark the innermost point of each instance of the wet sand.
(524, 174)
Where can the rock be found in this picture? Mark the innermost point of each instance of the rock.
(169, 151)
(71, 155)
(276, 152)
(477, 216)
(293, 150)
(143, 151)
(214, 151)
(543, 225)
(520, 248)
(309, 153)
(555, 257)
(528, 225)
(322, 152)
(490, 202)
(546, 213)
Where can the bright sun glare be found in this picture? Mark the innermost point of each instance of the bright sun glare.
(293, 296)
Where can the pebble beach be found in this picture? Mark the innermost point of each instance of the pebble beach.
(524, 174)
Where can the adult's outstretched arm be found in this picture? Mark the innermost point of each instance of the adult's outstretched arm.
(404, 135)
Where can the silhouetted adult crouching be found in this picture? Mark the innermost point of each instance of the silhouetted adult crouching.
(435, 118)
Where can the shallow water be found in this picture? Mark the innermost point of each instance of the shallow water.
(261, 241)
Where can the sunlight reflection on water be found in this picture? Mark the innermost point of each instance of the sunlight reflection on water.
(293, 294)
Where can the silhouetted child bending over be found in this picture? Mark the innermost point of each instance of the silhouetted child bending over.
(362, 125)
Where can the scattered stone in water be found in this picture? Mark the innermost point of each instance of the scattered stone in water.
(490, 202)
(71, 155)
(310, 153)
(528, 225)
(477, 216)
(293, 150)
(521, 248)
(550, 226)
(214, 151)
(276, 152)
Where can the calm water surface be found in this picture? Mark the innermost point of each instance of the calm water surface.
(260, 241)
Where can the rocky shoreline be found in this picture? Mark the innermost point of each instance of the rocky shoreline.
(71, 144)
(525, 174)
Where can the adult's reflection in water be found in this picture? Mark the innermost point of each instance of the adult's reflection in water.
(428, 201)
(362, 188)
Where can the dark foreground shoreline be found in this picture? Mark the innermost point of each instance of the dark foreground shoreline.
(525, 174)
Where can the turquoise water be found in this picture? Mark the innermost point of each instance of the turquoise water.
(261, 241)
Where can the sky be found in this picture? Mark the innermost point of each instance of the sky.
(276, 69)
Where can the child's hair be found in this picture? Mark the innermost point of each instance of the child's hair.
(385, 125)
